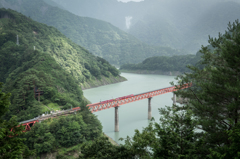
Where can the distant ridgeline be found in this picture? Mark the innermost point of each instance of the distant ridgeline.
(99, 37)
(45, 60)
(163, 65)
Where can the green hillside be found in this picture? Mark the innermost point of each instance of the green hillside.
(99, 37)
(57, 66)
(163, 65)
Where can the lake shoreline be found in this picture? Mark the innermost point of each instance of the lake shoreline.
(113, 142)
(157, 72)
(102, 82)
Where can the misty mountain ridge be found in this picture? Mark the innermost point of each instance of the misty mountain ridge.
(175, 23)
(99, 37)
(191, 34)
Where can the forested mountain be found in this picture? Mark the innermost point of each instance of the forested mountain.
(45, 60)
(99, 37)
(164, 65)
(181, 24)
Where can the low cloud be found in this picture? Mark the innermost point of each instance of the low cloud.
(128, 21)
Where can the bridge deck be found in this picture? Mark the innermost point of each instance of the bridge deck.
(117, 102)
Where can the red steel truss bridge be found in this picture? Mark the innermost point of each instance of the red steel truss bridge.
(109, 104)
(95, 107)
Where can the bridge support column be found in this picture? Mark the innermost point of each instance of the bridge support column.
(116, 120)
(149, 109)
(174, 98)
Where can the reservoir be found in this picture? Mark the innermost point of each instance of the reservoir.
(133, 115)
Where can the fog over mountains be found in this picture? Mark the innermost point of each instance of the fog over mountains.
(181, 24)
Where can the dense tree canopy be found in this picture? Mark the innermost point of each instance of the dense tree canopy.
(65, 132)
(101, 148)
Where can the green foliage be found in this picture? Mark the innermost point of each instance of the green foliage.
(214, 95)
(40, 138)
(173, 137)
(227, 151)
(4, 101)
(101, 148)
(68, 131)
(65, 132)
(11, 144)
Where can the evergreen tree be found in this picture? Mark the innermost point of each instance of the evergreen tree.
(11, 144)
(173, 137)
(214, 95)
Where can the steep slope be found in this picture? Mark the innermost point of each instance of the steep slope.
(99, 37)
(45, 60)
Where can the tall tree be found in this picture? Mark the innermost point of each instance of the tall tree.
(214, 95)
(173, 136)
(11, 143)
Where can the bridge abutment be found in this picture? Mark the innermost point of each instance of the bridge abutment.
(116, 120)
(149, 109)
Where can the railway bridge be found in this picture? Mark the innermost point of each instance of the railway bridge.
(109, 104)
(95, 107)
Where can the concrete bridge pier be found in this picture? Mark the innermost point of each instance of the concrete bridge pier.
(149, 109)
(116, 120)
(174, 98)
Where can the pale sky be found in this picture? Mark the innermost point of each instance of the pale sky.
(125, 1)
